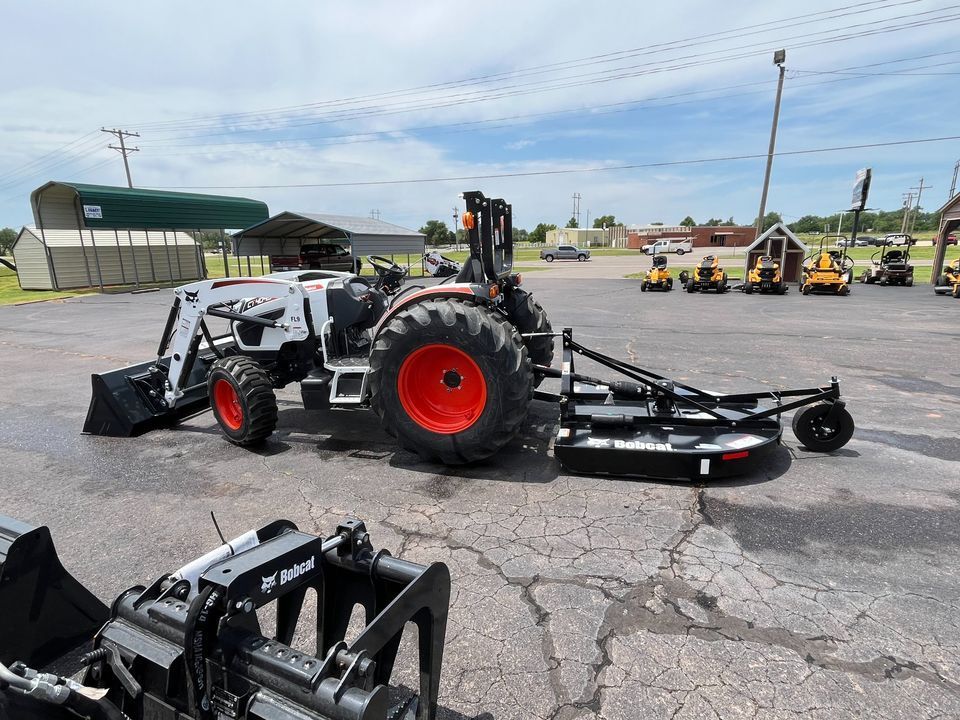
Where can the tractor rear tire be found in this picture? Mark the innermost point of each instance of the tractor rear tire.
(450, 380)
(528, 317)
(808, 426)
(242, 399)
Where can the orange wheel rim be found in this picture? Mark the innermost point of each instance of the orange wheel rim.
(227, 403)
(441, 388)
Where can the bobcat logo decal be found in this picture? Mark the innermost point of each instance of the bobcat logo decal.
(269, 583)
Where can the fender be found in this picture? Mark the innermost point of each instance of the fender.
(484, 294)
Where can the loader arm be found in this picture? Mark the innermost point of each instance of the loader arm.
(195, 301)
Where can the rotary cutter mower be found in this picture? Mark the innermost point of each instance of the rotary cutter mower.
(642, 424)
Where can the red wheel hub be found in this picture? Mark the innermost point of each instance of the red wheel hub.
(227, 403)
(441, 388)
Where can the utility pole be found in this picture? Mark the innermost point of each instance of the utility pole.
(374, 214)
(576, 207)
(953, 184)
(456, 221)
(123, 149)
(907, 205)
(913, 217)
(779, 57)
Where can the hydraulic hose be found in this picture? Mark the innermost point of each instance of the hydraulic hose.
(54, 690)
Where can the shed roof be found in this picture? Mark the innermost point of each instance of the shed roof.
(71, 238)
(951, 207)
(120, 207)
(319, 225)
(779, 230)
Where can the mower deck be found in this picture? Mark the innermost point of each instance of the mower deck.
(648, 426)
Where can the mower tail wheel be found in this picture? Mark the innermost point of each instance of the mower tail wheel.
(844, 290)
(805, 289)
(908, 282)
(956, 290)
(450, 380)
(819, 433)
(643, 286)
(528, 317)
(669, 283)
(242, 399)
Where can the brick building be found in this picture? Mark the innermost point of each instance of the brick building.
(700, 236)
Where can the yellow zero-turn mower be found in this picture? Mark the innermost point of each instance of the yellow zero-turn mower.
(827, 271)
(765, 277)
(950, 280)
(658, 277)
(708, 275)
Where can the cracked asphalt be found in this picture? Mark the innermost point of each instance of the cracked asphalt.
(824, 586)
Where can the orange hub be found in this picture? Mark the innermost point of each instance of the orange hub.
(227, 402)
(441, 388)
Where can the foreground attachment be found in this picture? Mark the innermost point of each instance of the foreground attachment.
(648, 426)
(190, 645)
(44, 611)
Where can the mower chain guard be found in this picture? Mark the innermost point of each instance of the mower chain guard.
(44, 611)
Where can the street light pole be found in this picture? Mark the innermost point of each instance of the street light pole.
(456, 219)
(779, 57)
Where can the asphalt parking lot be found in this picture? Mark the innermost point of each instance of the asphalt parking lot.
(822, 587)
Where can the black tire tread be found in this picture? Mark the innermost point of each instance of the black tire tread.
(493, 332)
(256, 389)
(800, 428)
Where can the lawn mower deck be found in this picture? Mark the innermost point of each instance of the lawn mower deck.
(649, 426)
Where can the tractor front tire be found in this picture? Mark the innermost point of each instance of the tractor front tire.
(805, 289)
(242, 399)
(691, 286)
(643, 286)
(810, 428)
(450, 380)
(748, 288)
(528, 317)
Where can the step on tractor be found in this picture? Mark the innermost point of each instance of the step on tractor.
(212, 640)
(765, 277)
(827, 270)
(708, 275)
(658, 277)
(450, 369)
(949, 281)
(892, 267)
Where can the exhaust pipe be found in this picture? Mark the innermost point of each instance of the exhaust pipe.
(46, 611)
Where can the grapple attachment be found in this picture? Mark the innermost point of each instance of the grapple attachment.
(44, 611)
(200, 624)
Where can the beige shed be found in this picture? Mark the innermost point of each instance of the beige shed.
(63, 259)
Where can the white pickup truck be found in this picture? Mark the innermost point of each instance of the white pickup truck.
(677, 245)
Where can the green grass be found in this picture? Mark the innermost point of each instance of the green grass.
(10, 292)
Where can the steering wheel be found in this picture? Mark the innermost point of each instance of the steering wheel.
(384, 267)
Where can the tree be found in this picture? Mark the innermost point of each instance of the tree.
(572, 223)
(770, 219)
(520, 235)
(688, 221)
(730, 221)
(7, 237)
(714, 222)
(539, 234)
(604, 221)
(807, 224)
(437, 233)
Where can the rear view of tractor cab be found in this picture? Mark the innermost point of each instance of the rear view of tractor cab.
(892, 267)
(708, 275)
(658, 277)
(827, 271)
(949, 283)
(765, 277)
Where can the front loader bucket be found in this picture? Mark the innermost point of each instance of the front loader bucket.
(44, 611)
(129, 401)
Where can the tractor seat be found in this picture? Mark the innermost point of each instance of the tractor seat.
(355, 303)
(894, 256)
(826, 262)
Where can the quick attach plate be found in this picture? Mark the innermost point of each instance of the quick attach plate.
(269, 570)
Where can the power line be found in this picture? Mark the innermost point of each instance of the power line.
(653, 67)
(556, 66)
(564, 171)
(123, 149)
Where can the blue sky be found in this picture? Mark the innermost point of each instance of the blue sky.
(316, 93)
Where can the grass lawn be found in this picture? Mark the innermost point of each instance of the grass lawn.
(10, 292)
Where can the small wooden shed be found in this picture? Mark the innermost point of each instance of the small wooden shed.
(780, 243)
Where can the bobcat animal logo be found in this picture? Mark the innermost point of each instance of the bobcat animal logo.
(598, 442)
(269, 583)
(192, 297)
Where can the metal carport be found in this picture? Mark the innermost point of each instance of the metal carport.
(949, 223)
(118, 225)
(285, 233)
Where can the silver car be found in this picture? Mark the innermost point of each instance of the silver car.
(564, 252)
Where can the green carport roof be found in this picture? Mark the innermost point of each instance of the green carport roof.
(105, 206)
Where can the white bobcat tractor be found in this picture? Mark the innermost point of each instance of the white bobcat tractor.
(450, 369)
(447, 368)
